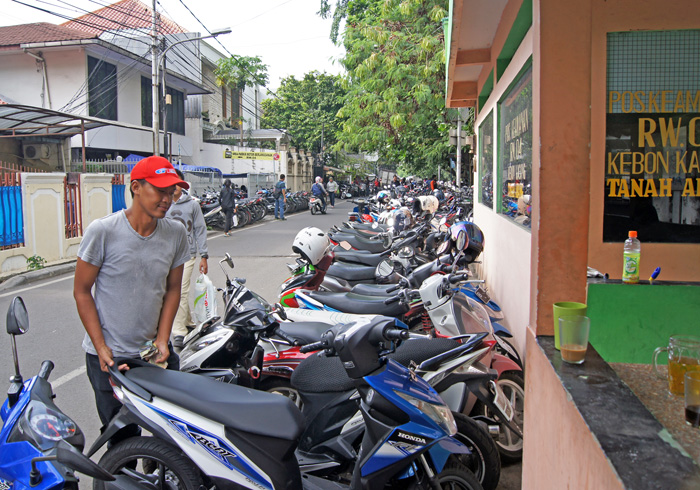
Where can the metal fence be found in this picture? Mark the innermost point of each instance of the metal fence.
(100, 167)
(118, 190)
(11, 208)
(202, 181)
(11, 212)
(73, 210)
(260, 181)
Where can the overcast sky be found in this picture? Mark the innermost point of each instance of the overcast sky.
(287, 34)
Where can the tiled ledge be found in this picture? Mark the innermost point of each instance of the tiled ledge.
(640, 449)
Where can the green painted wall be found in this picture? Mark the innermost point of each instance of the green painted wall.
(629, 321)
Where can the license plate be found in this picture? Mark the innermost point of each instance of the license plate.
(502, 402)
(482, 295)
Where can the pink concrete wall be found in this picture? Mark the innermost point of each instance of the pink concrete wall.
(559, 450)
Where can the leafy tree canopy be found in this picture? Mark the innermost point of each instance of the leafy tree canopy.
(240, 72)
(395, 60)
(306, 108)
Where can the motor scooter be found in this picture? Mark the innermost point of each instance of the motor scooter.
(40, 446)
(316, 205)
(225, 436)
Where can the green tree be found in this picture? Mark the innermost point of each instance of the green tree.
(395, 105)
(306, 108)
(239, 72)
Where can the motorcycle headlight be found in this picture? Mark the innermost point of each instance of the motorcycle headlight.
(440, 414)
(203, 343)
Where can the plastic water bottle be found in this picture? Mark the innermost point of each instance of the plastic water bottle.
(633, 248)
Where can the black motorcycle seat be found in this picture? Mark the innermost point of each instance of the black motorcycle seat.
(352, 272)
(338, 248)
(370, 244)
(373, 289)
(240, 408)
(305, 332)
(358, 303)
(364, 226)
(321, 374)
(352, 256)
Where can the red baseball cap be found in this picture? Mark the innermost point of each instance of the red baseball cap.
(158, 172)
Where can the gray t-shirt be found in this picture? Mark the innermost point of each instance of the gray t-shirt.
(130, 286)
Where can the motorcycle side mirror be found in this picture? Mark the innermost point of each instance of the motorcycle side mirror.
(384, 269)
(280, 311)
(17, 317)
(228, 260)
(17, 324)
(386, 240)
(462, 240)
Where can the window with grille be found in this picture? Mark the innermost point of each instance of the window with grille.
(652, 144)
(102, 89)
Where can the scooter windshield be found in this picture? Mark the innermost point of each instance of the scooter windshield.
(470, 316)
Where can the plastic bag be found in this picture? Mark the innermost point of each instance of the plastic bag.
(204, 299)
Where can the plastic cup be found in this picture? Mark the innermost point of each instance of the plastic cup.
(563, 309)
(573, 332)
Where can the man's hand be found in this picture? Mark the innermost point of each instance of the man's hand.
(203, 266)
(163, 351)
(105, 355)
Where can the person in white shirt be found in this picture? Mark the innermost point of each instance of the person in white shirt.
(332, 188)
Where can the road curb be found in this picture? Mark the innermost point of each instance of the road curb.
(33, 276)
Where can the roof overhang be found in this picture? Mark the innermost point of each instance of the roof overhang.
(112, 52)
(471, 32)
(17, 120)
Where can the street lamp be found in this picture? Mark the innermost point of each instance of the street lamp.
(157, 70)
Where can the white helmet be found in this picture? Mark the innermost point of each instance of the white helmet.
(312, 244)
(425, 204)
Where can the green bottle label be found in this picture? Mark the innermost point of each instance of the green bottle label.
(630, 272)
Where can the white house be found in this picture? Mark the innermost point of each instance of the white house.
(100, 65)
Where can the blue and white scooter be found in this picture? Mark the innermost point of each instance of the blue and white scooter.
(228, 436)
(40, 446)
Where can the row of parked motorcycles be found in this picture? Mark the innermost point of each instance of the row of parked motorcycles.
(250, 209)
(402, 378)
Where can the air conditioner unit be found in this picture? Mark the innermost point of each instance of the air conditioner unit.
(34, 152)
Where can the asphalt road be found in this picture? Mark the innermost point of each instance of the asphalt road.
(260, 253)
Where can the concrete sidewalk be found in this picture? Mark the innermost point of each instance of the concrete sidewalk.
(17, 279)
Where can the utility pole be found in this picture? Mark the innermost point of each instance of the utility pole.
(157, 70)
(458, 179)
(154, 81)
(164, 99)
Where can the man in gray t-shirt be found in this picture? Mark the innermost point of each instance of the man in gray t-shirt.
(134, 259)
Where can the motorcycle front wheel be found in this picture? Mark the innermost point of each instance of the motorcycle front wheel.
(453, 476)
(152, 463)
(457, 477)
(484, 460)
(510, 445)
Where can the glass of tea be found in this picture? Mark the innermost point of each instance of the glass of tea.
(573, 338)
(692, 398)
(683, 356)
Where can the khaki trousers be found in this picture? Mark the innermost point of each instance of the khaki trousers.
(184, 316)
